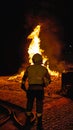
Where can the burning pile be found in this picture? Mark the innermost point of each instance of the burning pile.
(34, 48)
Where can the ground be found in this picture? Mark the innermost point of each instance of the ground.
(58, 110)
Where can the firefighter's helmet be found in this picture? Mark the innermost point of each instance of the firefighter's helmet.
(37, 58)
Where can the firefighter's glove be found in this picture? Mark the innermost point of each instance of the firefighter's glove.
(23, 87)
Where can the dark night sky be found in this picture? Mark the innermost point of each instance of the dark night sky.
(13, 17)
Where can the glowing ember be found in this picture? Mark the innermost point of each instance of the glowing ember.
(34, 48)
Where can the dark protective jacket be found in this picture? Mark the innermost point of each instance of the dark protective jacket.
(37, 75)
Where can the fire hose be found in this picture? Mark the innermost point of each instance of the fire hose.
(9, 111)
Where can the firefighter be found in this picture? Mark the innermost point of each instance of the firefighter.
(36, 74)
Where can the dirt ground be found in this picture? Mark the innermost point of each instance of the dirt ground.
(10, 90)
(58, 110)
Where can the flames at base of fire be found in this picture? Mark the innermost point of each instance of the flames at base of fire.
(17, 76)
(34, 48)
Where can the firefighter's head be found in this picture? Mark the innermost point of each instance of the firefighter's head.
(37, 59)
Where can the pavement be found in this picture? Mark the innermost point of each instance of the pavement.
(57, 110)
(58, 115)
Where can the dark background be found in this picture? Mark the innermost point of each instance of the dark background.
(13, 31)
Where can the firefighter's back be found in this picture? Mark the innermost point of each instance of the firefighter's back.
(36, 74)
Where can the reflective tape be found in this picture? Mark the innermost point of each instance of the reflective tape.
(39, 114)
(28, 113)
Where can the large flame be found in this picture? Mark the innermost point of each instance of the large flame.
(34, 48)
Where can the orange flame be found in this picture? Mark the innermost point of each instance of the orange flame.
(34, 48)
(17, 77)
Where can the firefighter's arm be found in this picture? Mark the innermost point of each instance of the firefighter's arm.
(24, 80)
(48, 76)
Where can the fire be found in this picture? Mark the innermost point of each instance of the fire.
(17, 77)
(34, 48)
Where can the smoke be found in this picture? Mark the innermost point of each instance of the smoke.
(51, 36)
(52, 44)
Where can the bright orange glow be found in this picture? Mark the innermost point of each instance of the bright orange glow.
(34, 48)
(17, 76)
